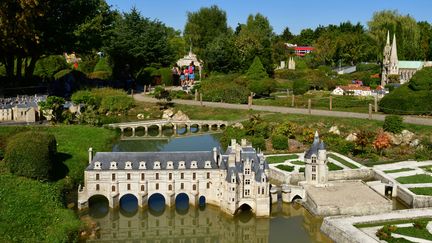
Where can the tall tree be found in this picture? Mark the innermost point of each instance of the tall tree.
(221, 55)
(138, 42)
(404, 26)
(255, 39)
(205, 25)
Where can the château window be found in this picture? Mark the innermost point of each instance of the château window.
(128, 176)
(313, 177)
(247, 192)
(170, 176)
(142, 176)
(262, 190)
(113, 188)
(247, 182)
(113, 176)
(313, 168)
(97, 187)
(128, 187)
(247, 171)
(193, 176)
(194, 187)
(181, 186)
(142, 188)
(97, 177)
(157, 176)
(259, 189)
(208, 175)
(313, 159)
(157, 186)
(208, 185)
(169, 187)
(181, 175)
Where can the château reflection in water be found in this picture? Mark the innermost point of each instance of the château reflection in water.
(288, 223)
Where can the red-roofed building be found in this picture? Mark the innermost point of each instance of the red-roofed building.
(303, 50)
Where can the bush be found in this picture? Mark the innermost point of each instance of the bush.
(279, 142)
(385, 232)
(262, 87)
(32, 155)
(300, 87)
(53, 107)
(393, 124)
(222, 88)
(166, 76)
(146, 75)
(258, 143)
(48, 66)
(286, 129)
(420, 224)
(256, 70)
(232, 133)
(83, 97)
(102, 75)
(60, 74)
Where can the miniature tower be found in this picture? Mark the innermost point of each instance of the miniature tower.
(291, 64)
(386, 61)
(316, 171)
(394, 62)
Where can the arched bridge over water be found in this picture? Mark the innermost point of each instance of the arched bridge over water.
(144, 126)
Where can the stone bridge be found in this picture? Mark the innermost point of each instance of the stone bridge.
(174, 124)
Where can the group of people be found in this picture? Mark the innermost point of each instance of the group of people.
(184, 76)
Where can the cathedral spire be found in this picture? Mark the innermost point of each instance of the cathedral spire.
(393, 55)
(388, 38)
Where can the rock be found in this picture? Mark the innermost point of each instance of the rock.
(404, 138)
(351, 137)
(167, 114)
(140, 116)
(414, 143)
(238, 125)
(180, 116)
(294, 144)
(334, 130)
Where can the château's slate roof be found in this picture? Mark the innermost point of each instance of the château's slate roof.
(316, 145)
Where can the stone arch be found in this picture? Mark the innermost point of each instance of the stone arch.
(223, 126)
(127, 132)
(98, 205)
(140, 131)
(213, 127)
(182, 129)
(167, 129)
(194, 128)
(205, 127)
(156, 203)
(153, 130)
(182, 202)
(296, 197)
(244, 213)
(128, 204)
(202, 201)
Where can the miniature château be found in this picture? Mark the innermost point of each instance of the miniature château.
(393, 67)
(20, 109)
(316, 170)
(231, 180)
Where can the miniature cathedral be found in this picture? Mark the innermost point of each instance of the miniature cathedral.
(316, 170)
(391, 61)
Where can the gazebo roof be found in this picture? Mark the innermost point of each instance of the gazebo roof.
(186, 60)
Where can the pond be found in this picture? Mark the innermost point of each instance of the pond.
(181, 223)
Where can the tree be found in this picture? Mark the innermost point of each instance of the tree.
(31, 29)
(254, 39)
(258, 80)
(205, 25)
(363, 139)
(221, 55)
(406, 29)
(31, 154)
(256, 70)
(381, 142)
(286, 35)
(138, 42)
(53, 107)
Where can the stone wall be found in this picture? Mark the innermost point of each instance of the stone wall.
(405, 195)
(357, 174)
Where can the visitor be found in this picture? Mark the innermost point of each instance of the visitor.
(186, 74)
(191, 71)
(175, 75)
(182, 78)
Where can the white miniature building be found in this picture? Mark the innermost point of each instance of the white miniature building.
(231, 180)
(316, 170)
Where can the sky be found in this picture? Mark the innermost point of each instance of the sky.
(296, 15)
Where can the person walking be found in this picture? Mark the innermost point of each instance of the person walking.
(175, 74)
(191, 70)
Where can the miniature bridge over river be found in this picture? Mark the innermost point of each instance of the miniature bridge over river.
(141, 128)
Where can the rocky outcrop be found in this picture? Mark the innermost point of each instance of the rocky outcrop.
(140, 116)
(351, 137)
(404, 138)
(180, 116)
(334, 130)
(238, 125)
(167, 114)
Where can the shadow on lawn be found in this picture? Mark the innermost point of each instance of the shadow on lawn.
(60, 170)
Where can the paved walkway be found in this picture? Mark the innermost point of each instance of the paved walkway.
(288, 110)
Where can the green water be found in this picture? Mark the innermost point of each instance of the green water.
(288, 222)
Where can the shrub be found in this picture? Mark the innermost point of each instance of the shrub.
(232, 133)
(258, 143)
(420, 224)
(166, 76)
(256, 70)
(118, 103)
(60, 74)
(146, 75)
(286, 129)
(279, 142)
(50, 65)
(262, 87)
(222, 88)
(31, 154)
(300, 87)
(84, 97)
(385, 232)
(393, 124)
(53, 107)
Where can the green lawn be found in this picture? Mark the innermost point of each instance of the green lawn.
(302, 169)
(414, 232)
(298, 162)
(427, 191)
(394, 222)
(285, 167)
(332, 166)
(280, 159)
(415, 179)
(342, 161)
(32, 211)
(427, 168)
(398, 170)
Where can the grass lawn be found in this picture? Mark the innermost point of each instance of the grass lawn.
(285, 167)
(332, 166)
(427, 168)
(302, 169)
(280, 159)
(342, 161)
(298, 162)
(394, 222)
(32, 211)
(414, 232)
(415, 179)
(427, 191)
(398, 170)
